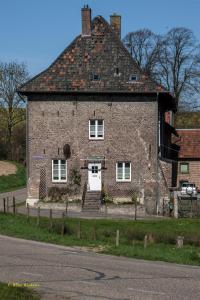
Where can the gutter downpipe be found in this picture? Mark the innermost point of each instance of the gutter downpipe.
(157, 155)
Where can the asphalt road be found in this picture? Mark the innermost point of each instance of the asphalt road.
(72, 273)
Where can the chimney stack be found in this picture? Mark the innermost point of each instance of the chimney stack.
(115, 22)
(86, 20)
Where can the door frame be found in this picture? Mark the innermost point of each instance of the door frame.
(90, 164)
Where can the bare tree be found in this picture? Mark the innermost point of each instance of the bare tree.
(12, 75)
(173, 60)
(143, 45)
(178, 67)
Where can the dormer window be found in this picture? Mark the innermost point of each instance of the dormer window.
(95, 77)
(133, 78)
(117, 73)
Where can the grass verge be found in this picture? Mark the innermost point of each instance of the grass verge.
(100, 235)
(8, 292)
(13, 181)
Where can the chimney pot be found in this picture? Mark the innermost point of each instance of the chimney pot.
(115, 22)
(86, 20)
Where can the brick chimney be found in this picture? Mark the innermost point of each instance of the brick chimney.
(115, 22)
(86, 20)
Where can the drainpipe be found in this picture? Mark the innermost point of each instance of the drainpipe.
(157, 154)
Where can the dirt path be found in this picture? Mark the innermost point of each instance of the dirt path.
(7, 168)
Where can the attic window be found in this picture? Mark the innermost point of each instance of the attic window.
(117, 73)
(95, 77)
(133, 77)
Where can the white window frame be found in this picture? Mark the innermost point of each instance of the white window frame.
(96, 130)
(59, 170)
(123, 171)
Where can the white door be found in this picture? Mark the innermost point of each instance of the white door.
(94, 176)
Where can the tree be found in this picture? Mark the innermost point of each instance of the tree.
(173, 60)
(12, 76)
(143, 45)
(178, 65)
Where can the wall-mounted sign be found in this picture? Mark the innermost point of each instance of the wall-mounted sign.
(37, 157)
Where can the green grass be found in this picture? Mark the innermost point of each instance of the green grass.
(13, 181)
(101, 234)
(9, 292)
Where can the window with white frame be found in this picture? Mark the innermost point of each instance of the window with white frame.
(59, 170)
(123, 171)
(96, 129)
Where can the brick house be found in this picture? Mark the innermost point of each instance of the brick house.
(95, 112)
(188, 141)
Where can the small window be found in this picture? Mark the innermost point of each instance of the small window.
(59, 170)
(184, 168)
(133, 77)
(96, 129)
(123, 171)
(95, 77)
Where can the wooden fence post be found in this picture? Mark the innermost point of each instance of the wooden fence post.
(50, 218)
(117, 238)
(145, 241)
(66, 207)
(63, 224)
(79, 230)
(4, 205)
(38, 216)
(14, 208)
(27, 212)
(7, 204)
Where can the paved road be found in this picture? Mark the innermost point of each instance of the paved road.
(71, 273)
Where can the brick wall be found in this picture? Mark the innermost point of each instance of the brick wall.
(194, 173)
(130, 131)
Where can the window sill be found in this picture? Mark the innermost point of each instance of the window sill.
(96, 139)
(123, 180)
(59, 181)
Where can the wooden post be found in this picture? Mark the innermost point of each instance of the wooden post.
(66, 207)
(117, 238)
(95, 233)
(7, 204)
(135, 209)
(14, 211)
(38, 216)
(63, 224)
(179, 241)
(27, 212)
(145, 241)
(4, 205)
(79, 230)
(50, 218)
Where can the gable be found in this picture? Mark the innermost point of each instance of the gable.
(99, 62)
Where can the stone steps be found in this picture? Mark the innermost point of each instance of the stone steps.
(92, 201)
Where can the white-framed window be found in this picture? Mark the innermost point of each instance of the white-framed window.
(59, 170)
(96, 129)
(123, 171)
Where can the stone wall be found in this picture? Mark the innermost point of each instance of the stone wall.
(129, 135)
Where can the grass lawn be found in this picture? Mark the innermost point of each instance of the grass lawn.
(8, 292)
(13, 181)
(100, 235)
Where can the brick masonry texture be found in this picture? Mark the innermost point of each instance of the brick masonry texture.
(190, 153)
(126, 139)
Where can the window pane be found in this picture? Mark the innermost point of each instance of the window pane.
(127, 170)
(184, 168)
(92, 128)
(119, 170)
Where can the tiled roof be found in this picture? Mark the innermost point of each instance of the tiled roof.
(189, 143)
(99, 54)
